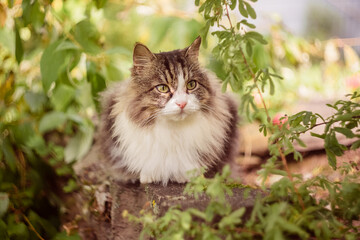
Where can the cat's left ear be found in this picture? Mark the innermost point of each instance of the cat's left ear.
(142, 55)
(192, 51)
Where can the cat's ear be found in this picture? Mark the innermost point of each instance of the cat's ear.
(142, 55)
(192, 51)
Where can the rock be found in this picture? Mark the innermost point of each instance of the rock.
(102, 212)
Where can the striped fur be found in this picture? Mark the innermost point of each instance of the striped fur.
(147, 135)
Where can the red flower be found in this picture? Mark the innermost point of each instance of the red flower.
(279, 119)
(353, 81)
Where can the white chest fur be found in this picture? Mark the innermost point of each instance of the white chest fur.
(168, 149)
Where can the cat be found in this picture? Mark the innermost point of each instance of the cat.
(169, 118)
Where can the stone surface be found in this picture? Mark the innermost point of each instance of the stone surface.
(101, 210)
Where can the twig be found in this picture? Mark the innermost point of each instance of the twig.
(283, 159)
(282, 156)
(228, 15)
(32, 227)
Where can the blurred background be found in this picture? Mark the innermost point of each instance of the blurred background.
(56, 56)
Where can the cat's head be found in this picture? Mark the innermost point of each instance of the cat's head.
(168, 85)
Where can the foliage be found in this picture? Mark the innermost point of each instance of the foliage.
(292, 207)
(56, 56)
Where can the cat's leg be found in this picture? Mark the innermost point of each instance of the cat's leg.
(145, 177)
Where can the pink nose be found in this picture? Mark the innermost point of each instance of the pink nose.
(181, 104)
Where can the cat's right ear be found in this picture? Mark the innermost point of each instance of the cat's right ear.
(142, 55)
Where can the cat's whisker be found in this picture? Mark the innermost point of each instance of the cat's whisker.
(208, 108)
(149, 119)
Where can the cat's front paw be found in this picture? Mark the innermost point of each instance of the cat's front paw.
(145, 179)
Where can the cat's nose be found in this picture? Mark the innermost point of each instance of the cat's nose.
(181, 104)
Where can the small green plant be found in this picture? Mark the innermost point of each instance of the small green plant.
(291, 208)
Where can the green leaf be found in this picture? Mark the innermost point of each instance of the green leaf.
(3, 231)
(65, 236)
(249, 49)
(66, 45)
(79, 145)
(300, 142)
(87, 36)
(185, 220)
(345, 131)
(33, 14)
(355, 145)
(19, 49)
(242, 9)
(331, 158)
(245, 22)
(37, 143)
(250, 10)
(306, 118)
(272, 87)
(52, 63)
(100, 3)
(256, 36)
(292, 228)
(9, 154)
(96, 80)
(322, 136)
(197, 2)
(18, 231)
(71, 186)
(4, 203)
(232, 219)
(51, 121)
(35, 101)
(233, 4)
(63, 95)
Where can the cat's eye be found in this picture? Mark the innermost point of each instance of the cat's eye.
(191, 85)
(163, 88)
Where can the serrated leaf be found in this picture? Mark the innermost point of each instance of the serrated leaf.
(185, 220)
(331, 158)
(306, 118)
(250, 10)
(233, 218)
(355, 145)
(292, 228)
(51, 121)
(346, 132)
(300, 142)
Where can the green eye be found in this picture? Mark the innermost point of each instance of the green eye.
(191, 85)
(162, 88)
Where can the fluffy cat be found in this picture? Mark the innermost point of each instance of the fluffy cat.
(169, 118)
